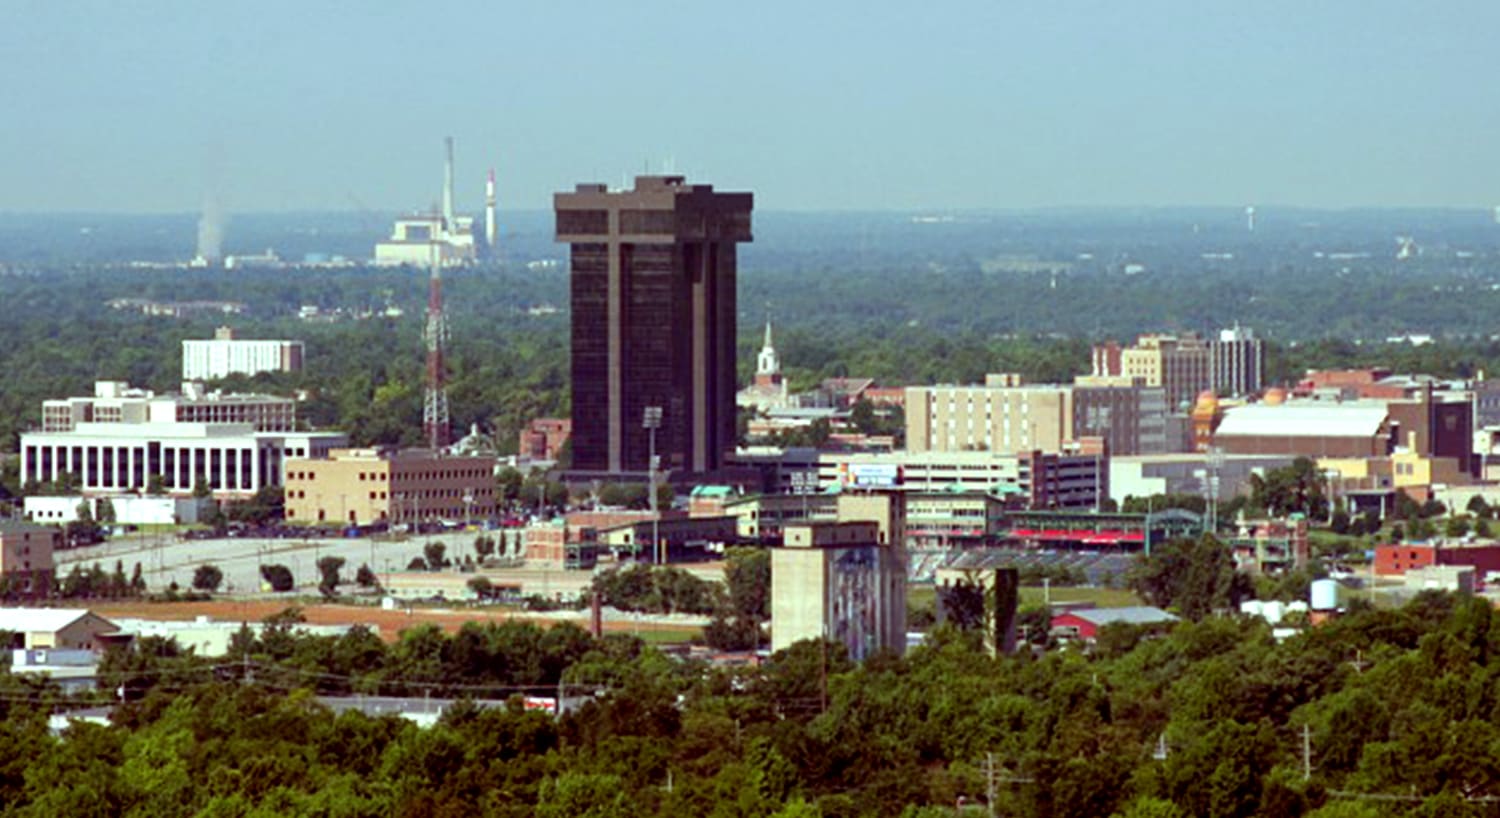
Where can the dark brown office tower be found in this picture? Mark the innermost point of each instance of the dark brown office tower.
(653, 322)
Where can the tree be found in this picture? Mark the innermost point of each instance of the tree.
(106, 511)
(484, 546)
(365, 577)
(1456, 527)
(482, 587)
(1298, 487)
(83, 530)
(207, 578)
(962, 603)
(266, 507)
(328, 574)
(1196, 577)
(434, 552)
(278, 576)
(508, 483)
(737, 624)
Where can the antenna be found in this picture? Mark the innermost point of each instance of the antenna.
(436, 425)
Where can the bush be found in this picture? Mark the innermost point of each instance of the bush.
(207, 578)
(278, 576)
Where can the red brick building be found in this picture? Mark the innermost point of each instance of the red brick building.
(1398, 558)
(543, 438)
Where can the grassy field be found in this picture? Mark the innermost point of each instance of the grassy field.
(925, 596)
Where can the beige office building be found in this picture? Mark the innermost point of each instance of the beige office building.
(1004, 417)
(363, 486)
(996, 418)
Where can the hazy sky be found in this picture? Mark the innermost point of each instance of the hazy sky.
(147, 105)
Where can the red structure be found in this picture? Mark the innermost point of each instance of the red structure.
(1397, 559)
(543, 438)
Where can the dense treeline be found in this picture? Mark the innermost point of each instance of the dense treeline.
(509, 361)
(1210, 720)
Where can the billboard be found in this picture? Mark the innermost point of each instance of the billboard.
(871, 475)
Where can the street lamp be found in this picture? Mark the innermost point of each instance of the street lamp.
(651, 421)
(1330, 475)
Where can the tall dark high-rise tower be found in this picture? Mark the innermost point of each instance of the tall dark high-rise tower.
(653, 300)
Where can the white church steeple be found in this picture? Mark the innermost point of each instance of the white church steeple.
(768, 364)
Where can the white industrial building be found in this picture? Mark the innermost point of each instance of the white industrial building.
(227, 355)
(1187, 473)
(124, 441)
(233, 460)
(116, 402)
(129, 509)
(444, 238)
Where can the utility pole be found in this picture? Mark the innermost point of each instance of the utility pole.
(1306, 752)
(989, 782)
(823, 672)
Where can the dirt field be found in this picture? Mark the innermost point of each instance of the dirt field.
(391, 623)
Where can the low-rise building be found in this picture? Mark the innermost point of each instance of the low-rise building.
(118, 402)
(128, 509)
(1187, 473)
(47, 628)
(225, 355)
(1398, 559)
(232, 460)
(1084, 623)
(26, 555)
(364, 486)
(543, 439)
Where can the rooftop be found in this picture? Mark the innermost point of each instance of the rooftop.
(36, 620)
(1136, 615)
(1312, 419)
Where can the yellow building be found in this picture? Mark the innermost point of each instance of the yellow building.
(363, 486)
(1178, 363)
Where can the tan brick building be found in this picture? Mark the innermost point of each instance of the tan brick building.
(26, 554)
(362, 486)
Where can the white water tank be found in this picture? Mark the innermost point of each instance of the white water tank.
(1325, 595)
(1274, 611)
(1252, 607)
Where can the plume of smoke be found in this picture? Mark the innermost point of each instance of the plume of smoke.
(211, 229)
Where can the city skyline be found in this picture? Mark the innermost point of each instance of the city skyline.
(286, 108)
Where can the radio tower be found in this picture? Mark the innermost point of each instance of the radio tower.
(435, 424)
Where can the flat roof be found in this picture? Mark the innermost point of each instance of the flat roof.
(1136, 615)
(1309, 420)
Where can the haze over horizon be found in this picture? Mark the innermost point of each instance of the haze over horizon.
(841, 106)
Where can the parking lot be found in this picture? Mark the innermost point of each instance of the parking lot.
(165, 559)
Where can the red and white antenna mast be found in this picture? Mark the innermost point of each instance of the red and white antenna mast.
(435, 422)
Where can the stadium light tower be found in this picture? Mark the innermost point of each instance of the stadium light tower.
(651, 421)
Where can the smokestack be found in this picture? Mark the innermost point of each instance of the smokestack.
(448, 186)
(211, 232)
(489, 212)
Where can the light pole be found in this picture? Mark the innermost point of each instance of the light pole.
(1330, 475)
(651, 421)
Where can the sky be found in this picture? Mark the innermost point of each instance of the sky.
(278, 105)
